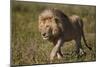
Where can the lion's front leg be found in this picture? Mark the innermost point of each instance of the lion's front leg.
(55, 50)
(59, 54)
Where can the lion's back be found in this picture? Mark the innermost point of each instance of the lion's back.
(76, 21)
(69, 26)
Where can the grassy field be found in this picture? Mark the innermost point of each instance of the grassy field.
(27, 46)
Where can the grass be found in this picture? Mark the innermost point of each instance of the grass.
(27, 46)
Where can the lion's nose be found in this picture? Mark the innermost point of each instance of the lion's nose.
(44, 34)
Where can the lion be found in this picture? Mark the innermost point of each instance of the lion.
(58, 28)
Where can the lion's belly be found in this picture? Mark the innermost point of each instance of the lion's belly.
(70, 36)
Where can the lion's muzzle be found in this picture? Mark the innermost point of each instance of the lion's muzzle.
(45, 36)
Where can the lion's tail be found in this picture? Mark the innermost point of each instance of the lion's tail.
(85, 41)
(84, 36)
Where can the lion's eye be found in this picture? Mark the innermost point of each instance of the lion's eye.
(49, 17)
(47, 26)
(43, 19)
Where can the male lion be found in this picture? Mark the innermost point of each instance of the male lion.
(56, 27)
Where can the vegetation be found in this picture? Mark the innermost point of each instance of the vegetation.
(27, 46)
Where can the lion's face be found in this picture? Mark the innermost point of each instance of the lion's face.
(48, 25)
(45, 28)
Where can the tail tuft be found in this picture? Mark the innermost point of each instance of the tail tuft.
(89, 47)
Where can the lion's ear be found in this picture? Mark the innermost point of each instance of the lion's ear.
(56, 19)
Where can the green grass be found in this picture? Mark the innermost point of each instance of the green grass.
(27, 46)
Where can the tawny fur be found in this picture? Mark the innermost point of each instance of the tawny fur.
(57, 27)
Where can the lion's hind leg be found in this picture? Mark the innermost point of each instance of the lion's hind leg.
(79, 49)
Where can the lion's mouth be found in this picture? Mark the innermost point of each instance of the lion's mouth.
(45, 37)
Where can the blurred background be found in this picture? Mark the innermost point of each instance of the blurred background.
(27, 46)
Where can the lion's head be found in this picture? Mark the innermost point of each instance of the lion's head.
(48, 25)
